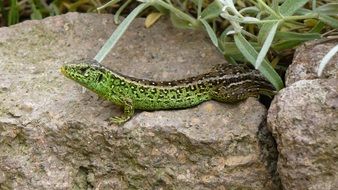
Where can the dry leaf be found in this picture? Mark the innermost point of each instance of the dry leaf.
(152, 18)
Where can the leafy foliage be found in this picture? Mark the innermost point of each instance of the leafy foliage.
(14, 11)
(253, 31)
(261, 32)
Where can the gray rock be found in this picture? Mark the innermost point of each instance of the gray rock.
(304, 120)
(306, 61)
(54, 136)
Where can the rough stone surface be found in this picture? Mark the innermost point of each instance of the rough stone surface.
(306, 131)
(55, 136)
(303, 118)
(307, 59)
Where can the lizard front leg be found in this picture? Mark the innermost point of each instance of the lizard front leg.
(128, 112)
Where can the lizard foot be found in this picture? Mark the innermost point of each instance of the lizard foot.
(118, 120)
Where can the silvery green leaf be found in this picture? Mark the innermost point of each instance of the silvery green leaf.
(264, 31)
(329, 20)
(112, 2)
(297, 36)
(213, 10)
(178, 22)
(289, 7)
(211, 32)
(250, 19)
(250, 54)
(266, 45)
(326, 60)
(328, 9)
(229, 4)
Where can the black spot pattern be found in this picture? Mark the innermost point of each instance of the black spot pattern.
(225, 83)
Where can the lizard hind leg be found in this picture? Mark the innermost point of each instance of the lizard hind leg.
(128, 112)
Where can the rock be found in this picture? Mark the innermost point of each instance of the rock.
(306, 132)
(306, 61)
(55, 136)
(303, 118)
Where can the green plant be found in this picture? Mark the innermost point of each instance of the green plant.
(326, 59)
(256, 31)
(14, 11)
(262, 32)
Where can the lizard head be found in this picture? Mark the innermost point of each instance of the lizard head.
(88, 73)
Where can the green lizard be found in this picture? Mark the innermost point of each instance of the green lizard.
(224, 83)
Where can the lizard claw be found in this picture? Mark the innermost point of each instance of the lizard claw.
(118, 120)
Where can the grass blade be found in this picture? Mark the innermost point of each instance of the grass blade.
(13, 15)
(119, 32)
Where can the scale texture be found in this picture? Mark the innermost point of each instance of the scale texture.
(223, 83)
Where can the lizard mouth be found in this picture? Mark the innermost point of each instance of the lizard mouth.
(63, 70)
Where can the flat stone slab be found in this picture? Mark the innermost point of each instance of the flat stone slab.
(54, 135)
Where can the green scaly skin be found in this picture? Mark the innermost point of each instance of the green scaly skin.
(224, 83)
